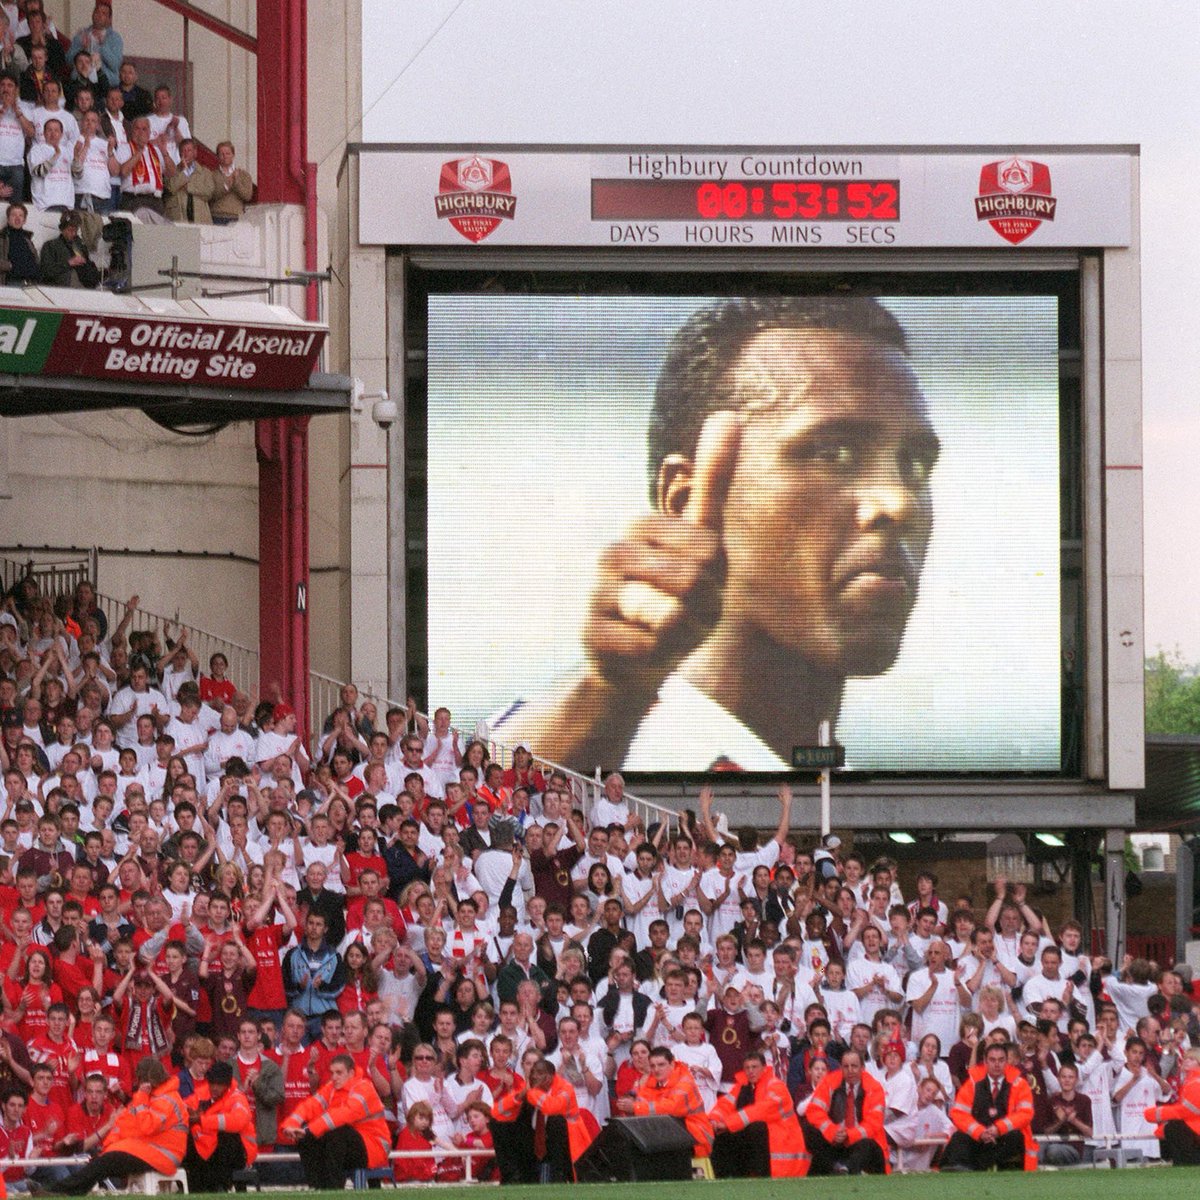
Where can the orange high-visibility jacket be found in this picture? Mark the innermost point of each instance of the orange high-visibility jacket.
(773, 1106)
(1019, 1115)
(873, 1107)
(1186, 1110)
(231, 1114)
(678, 1096)
(357, 1105)
(152, 1127)
(556, 1101)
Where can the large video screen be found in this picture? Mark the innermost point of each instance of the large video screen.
(675, 533)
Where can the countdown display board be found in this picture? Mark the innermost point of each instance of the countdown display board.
(745, 198)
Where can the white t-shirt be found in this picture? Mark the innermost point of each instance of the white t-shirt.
(12, 141)
(224, 746)
(54, 186)
(860, 972)
(127, 699)
(40, 115)
(727, 914)
(182, 131)
(941, 1015)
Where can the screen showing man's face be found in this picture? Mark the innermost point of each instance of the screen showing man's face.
(853, 516)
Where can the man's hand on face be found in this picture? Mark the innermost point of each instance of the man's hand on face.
(658, 591)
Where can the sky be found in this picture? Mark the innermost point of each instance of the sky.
(923, 72)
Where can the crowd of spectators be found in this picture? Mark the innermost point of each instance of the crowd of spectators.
(381, 938)
(79, 134)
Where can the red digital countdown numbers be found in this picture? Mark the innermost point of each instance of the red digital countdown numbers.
(745, 200)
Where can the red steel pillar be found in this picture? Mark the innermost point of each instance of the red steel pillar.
(284, 177)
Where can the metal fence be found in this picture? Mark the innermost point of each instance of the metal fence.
(243, 660)
(325, 696)
(56, 574)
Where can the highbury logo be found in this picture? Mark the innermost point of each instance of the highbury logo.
(1014, 197)
(475, 195)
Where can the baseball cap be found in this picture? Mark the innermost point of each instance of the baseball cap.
(6, 618)
(524, 746)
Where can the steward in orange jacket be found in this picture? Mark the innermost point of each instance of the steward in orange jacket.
(538, 1131)
(992, 1112)
(222, 1135)
(149, 1134)
(670, 1091)
(1179, 1124)
(756, 1127)
(843, 1124)
(340, 1129)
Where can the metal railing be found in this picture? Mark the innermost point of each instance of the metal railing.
(324, 696)
(243, 660)
(56, 574)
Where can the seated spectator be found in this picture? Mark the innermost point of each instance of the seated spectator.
(144, 170)
(89, 166)
(84, 75)
(18, 258)
(100, 41)
(51, 182)
(138, 102)
(167, 127)
(234, 187)
(13, 60)
(64, 260)
(190, 189)
(40, 36)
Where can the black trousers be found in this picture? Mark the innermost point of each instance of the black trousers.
(963, 1151)
(116, 1164)
(328, 1160)
(215, 1173)
(743, 1154)
(515, 1158)
(1180, 1145)
(863, 1158)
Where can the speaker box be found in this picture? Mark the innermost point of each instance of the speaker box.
(632, 1149)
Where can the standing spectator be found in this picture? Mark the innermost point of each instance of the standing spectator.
(34, 77)
(15, 127)
(137, 100)
(18, 258)
(190, 189)
(50, 169)
(114, 125)
(84, 75)
(39, 35)
(51, 108)
(144, 171)
(167, 127)
(90, 167)
(103, 44)
(13, 59)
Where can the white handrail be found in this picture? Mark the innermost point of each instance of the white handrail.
(243, 660)
(325, 696)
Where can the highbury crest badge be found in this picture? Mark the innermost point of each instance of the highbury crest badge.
(1014, 197)
(475, 195)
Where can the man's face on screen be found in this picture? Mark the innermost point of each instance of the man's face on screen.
(828, 516)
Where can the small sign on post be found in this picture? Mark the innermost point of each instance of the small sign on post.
(818, 758)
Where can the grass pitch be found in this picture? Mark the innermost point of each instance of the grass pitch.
(1146, 1183)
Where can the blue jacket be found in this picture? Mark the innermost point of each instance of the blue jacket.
(313, 979)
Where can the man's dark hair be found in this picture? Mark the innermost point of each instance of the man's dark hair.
(697, 376)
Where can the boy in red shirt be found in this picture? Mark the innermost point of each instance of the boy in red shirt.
(57, 1051)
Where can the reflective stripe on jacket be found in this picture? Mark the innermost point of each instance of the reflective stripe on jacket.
(152, 1127)
(678, 1096)
(773, 1106)
(357, 1105)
